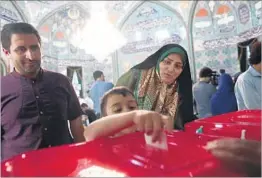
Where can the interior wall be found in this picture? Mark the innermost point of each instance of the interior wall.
(147, 28)
(59, 31)
(215, 45)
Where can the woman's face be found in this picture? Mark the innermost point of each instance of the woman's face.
(170, 68)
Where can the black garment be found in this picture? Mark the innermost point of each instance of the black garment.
(98, 115)
(90, 114)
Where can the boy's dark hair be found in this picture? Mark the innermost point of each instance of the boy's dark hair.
(16, 28)
(97, 74)
(205, 72)
(255, 56)
(124, 91)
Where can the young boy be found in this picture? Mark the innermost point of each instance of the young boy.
(120, 115)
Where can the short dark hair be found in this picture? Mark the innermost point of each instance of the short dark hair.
(16, 28)
(222, 71)
(83, 105)
(97, 74)
(255, 56)
(124, 91)
(205, 72)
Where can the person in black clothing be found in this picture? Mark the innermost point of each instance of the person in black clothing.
(89, 112)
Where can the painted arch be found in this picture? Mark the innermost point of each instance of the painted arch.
(233, 22)
(149, 26)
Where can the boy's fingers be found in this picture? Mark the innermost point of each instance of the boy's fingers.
(167, 123)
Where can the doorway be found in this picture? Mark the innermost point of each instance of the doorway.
(76, 78)
(243, 50)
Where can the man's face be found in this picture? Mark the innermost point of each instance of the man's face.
(26, 54)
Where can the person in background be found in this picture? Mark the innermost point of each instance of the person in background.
(222, 71)
(242, 155)
(89, 113)
(162, 83)
(224, 100)
(248, 85)
(202, 93)
(235, 77)
(87, 100)
(98, 89)
(120, 116)
(36, 104)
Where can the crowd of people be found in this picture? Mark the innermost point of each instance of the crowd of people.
(157, 94)
(239, 92)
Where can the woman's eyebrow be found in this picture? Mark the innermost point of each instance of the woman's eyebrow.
(172, 60)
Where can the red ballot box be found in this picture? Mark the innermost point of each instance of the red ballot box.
(241, 124)
(250, 117)
(122, 156)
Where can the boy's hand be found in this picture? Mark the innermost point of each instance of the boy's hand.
(152, 123)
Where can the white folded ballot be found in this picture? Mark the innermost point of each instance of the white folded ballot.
(162, 144)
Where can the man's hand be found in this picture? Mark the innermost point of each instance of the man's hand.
(243, 155)
(77, 129)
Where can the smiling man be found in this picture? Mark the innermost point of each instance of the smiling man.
(36, 104)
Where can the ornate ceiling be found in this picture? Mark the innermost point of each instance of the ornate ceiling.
(204, 20)
(36, 11)
(203, 25)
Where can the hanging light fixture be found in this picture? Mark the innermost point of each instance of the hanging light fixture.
(98, 37)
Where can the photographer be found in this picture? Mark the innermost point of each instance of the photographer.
(203, 91)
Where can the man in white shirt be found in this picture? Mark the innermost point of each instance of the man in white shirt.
(248, 85)
(87, 100)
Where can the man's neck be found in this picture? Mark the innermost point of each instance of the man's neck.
(99, 79)
(204, 80)
(257, 68)
(31, 76)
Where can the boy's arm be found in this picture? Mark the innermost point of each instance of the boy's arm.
(109, 125)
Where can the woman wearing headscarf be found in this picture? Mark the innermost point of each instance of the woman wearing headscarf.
(224, 100)
(162, 83)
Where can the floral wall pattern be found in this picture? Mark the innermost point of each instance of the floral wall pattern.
(148, 28)
(220, 58)
(217, 29)
(58, 33)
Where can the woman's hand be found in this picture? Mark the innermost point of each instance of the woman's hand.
(152, 123)
(244, 155)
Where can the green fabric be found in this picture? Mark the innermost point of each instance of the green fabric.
(126, 80)
(143, 103)
(129, 79)
(176, 50)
